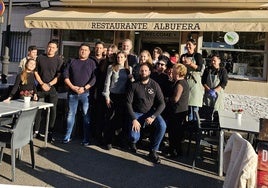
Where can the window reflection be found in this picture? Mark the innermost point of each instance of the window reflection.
(244, 59)
(88, 36)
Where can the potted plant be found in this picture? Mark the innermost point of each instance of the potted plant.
(238, 113)
(27, 95)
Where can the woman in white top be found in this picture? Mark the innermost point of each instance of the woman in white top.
(119, 74)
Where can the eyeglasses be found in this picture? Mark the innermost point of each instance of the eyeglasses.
(161, 64)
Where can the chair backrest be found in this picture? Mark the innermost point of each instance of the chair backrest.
(204, 123)
(23, 128)
(208, 113)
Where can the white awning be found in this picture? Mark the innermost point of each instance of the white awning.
(99, 19)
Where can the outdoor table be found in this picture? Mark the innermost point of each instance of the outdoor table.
(16, 105)
(7, 111)
(247, 123)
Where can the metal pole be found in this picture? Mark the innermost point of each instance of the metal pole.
(5, 61)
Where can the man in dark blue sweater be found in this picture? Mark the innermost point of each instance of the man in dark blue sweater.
(79, 77)
(145, 102)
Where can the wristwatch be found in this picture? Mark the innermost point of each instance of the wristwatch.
(153, 116)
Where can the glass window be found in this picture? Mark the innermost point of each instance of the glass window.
(88, 36)
(71, 40)
(243, 60)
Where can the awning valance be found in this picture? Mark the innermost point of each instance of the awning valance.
(94, 19)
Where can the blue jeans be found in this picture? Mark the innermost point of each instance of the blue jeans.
(158, 129)
(73, 100)
(191, 114)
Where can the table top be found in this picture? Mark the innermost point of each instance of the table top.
(247, 123)
(7, 111)
(21, 105)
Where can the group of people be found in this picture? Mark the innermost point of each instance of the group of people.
(39, 75)
(123, 95)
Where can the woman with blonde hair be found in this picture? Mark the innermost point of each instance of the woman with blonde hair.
(144, 57)
(25, 82)
(177, 109)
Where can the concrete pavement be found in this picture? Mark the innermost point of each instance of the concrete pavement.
(73, 165)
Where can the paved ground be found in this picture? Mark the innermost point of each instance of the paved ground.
(73, 165)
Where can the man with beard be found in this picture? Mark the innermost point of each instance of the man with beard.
(145, 102)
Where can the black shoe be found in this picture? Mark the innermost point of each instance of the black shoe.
(133, 148)
(66, 141)
(85, 143)
(108, 147)
(38, 136)
(50, 138)
(35, 134)
(154, 157)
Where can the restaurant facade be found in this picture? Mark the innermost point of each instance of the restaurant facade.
(237, 30)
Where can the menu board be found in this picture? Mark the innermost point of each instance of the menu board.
(262, 173)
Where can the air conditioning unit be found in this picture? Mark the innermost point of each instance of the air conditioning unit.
(44, 4)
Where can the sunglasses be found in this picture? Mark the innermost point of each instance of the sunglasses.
(161, 64)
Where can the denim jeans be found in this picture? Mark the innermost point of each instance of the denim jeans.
(191, 114)
(73, 100)
(157, 128)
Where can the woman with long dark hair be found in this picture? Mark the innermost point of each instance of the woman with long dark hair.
(194, 63)
(118, 76)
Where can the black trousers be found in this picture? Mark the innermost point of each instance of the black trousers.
(50, 96)
(116, 118)
(176, 130)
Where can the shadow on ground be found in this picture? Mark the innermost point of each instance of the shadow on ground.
(75, 166)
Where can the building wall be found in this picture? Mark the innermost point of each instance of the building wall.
(39, 37)
(251, 88)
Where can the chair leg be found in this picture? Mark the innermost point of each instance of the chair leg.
(32, 154)
(197, 149)
(1, 154)
(13, 163)
(211, 151)
(189, 144)
(19, 153)
(193, 165)
(197, 146)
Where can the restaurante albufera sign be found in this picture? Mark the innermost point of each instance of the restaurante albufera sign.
(152, 26)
